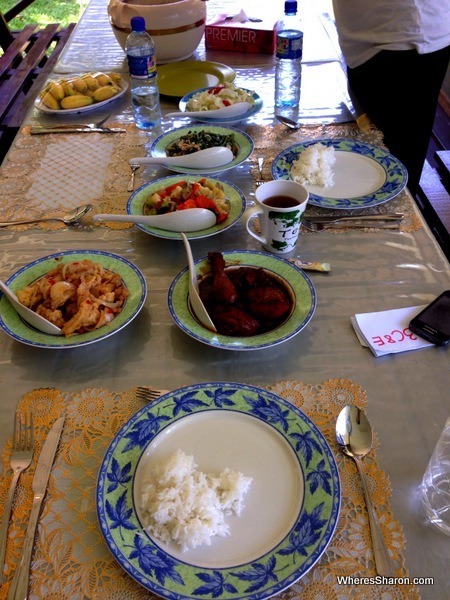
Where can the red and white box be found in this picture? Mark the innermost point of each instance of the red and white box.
(241, 33)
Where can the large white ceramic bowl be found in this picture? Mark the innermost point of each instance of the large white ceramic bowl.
(176, 26)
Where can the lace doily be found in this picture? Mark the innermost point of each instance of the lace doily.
(54, 173)
(71, 560)
(268, 142)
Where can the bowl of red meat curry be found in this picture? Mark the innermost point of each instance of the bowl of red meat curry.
(255, 300)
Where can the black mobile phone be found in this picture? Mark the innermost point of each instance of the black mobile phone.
(433, 322)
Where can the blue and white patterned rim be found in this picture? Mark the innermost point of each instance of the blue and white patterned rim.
(395, 180)
(164, 574)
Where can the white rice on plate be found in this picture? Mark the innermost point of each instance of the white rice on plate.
(315, 166)
(184, 505)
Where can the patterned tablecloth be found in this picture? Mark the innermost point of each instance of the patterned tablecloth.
(71, 559)
(51, 174)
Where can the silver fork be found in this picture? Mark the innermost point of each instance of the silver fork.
(22, 454)
(260, 181)
(71, 125)
(134, 168)
(378, 223)
(148, 393)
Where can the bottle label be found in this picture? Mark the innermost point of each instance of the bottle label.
(290, 44)
(142, 67)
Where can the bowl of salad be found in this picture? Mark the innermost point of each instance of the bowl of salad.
(182, 192)
(220, 96)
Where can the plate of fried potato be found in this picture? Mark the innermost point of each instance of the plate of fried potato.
(80, 94)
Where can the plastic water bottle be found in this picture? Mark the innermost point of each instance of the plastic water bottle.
(288, 70)
(140, 51)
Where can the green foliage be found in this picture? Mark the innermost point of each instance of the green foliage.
(44, 12)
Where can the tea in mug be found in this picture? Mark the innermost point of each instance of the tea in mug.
(281, 202)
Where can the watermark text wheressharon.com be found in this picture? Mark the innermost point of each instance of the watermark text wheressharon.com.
(382, 580)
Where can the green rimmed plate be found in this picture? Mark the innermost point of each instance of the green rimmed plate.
(365, 175)
(291, 509)
(135, 206)
(243, 141)
(299, 283)
(21, 331)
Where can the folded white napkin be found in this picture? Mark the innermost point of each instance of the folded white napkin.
(241, 17)
(387, 331)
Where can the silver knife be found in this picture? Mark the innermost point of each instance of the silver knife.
(20, 582)
(41, 130)
(353, 217)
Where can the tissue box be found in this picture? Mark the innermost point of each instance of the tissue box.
(241, 35)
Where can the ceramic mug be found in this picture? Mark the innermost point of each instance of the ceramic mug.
(279, 204)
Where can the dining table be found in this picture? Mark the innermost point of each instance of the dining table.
(319, 370)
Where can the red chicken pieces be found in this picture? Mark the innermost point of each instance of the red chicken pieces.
(243, 301)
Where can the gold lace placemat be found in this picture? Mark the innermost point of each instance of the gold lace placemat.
(53, 173)
(71, 560)
(269, 141)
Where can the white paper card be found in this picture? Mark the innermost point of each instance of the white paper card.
(387, 331)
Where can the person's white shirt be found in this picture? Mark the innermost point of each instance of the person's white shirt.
(367, 26)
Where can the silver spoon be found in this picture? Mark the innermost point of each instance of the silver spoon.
(354, 435)
(68, 219)
(194, 297)
(207, 158)
(288, 122)
(190, 219)
(29, 315)
(134, 167)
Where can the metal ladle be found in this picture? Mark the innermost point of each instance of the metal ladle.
(71, 217)
(354, 435)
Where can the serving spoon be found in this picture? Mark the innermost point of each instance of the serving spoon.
(71, 217)
(29, 315)
(354, 435)
(194, 296)
(207, 158)
(190, 219)
(234, 110)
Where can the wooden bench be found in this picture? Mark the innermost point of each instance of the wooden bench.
(28, 59)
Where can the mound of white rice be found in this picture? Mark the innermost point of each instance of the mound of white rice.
(315, 166)
(187, 506)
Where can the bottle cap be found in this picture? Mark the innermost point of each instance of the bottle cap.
(290, 6)
(137, 24)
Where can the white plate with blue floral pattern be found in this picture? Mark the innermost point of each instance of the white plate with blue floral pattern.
(291, 509)
(365, 175)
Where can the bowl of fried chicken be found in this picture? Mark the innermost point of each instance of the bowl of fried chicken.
(255, 300)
